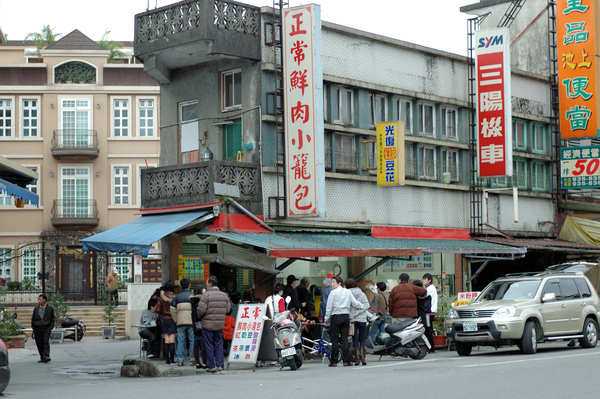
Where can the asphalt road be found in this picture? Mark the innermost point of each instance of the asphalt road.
(90, 369)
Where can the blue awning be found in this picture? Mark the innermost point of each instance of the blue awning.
(13, 190)
(137, 236)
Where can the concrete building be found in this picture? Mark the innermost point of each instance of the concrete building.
(220, 86)
(87, 126)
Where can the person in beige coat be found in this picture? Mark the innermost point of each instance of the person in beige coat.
(212, 309)
(112, 283)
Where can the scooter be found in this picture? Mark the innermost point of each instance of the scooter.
(399, 339)
(70, 322)
(288, 339)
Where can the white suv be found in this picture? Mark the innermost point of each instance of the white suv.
(527, 309)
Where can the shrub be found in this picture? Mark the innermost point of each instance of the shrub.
(8, 328)
(109, 310)
(60, 308)
(14, 286)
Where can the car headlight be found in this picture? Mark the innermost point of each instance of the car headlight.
(505, 311)
(453, 314)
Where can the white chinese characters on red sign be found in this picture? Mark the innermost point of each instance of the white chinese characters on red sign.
(300, 126)
(247, 334)
(494, 137)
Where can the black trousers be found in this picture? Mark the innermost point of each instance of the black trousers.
(42, 341)
(429, 329)
(338, 331)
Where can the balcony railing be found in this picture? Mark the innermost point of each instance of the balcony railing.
(193, 184)
(75, 143)
(74, 212)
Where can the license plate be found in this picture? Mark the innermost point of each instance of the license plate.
(288, 352)
(469, 326)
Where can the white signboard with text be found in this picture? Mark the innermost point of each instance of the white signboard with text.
(247, 334)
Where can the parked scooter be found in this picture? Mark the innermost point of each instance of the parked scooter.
(70, 322)
(399, 339)
(288, 340)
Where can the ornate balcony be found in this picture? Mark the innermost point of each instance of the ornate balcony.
(193, 32)
(75, 143)
(192, 184)
(79, 213)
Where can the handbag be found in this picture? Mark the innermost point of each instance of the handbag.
(197, 326)
(351, 330)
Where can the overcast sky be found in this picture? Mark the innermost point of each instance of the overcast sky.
(434, 23)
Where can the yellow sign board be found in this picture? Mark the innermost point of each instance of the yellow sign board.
(390, 153)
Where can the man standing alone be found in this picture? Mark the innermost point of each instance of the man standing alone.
(212, 309)
(403, 300)
(112, 283)
(337, 316)
(432, 299)
(181, 312)
(42, 322)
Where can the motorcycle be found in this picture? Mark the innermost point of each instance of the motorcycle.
(288, 339)
(399, 339)
(69, 322)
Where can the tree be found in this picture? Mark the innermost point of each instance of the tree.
(113, 47)
(44, 38)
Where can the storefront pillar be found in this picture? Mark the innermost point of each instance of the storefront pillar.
(172, 247)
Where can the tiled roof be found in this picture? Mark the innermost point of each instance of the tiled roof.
(75, 41)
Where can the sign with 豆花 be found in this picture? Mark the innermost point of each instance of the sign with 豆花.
(247, 334)
(494, 116)
(576, 43)
(390, 153)
(579, 167)
(303, 108)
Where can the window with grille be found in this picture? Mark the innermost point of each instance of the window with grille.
(342, 106)
(76, 122)
(75, 188)
(5, 118)
(427, 164)
(378, 109)
(146, 118)
(120, 118)
(409, 162)
(520, 173)
(29, 260)
(449, 122)
(123, 265)
(368, 155)
(5, 263)
(538, 144)
(451, 164)
(519, 135)
(345, 153)
(403, 112)
(121, 186)
(231, 86)
(30, 118)
(539, 176)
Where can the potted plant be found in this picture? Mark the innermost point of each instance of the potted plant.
(445, 303)
(60, 311)
(109, 316)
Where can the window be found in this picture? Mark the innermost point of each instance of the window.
(539, 176)
(75, 122)
(188, 111)
(584, 289)
(553, 286)
(500, 182)
(342, 107)
(345, 153)
(368, 155)
(123, 264)
(450, 164)
(121, 186)
(427, 165)
(5, 199)
(30, 118)
(232, 140)
(402, 112)
(231, 83)
(5, 263)
(520, 173)
(426, 119)
(539, 139)
(75, 189)
(146, 118)
(328, 150)
(5, 118)
(519, 135)
(449, 123)
(378, 109)
(409, 162)
(569, 289)
(33, 187)
(30, 264)
(120, 118)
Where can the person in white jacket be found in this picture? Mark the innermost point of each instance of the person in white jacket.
(430, 311)
(275, 302)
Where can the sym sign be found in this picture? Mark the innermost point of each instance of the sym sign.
(494, 124)
(303, 104)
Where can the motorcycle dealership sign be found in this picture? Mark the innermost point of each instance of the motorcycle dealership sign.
(576, 43)
(303, 107)
(494, 117)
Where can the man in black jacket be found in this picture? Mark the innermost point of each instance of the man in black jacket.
(42, 322)
(290, 291)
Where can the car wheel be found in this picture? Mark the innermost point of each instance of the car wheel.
(463, 349)
(529, 340)
(590, 334)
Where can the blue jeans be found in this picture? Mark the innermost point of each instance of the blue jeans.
(184, 332)
(378, 327)
(212, 342)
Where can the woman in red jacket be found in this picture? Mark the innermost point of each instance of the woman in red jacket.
(228, 333)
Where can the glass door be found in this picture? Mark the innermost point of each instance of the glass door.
(76, 123)
(75, 192)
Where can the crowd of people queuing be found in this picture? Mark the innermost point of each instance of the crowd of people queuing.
(204, 321)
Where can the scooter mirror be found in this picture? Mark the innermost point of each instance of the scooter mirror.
(265, 318)
(288, 299)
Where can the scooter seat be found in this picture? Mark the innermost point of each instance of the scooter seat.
(394, 328)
